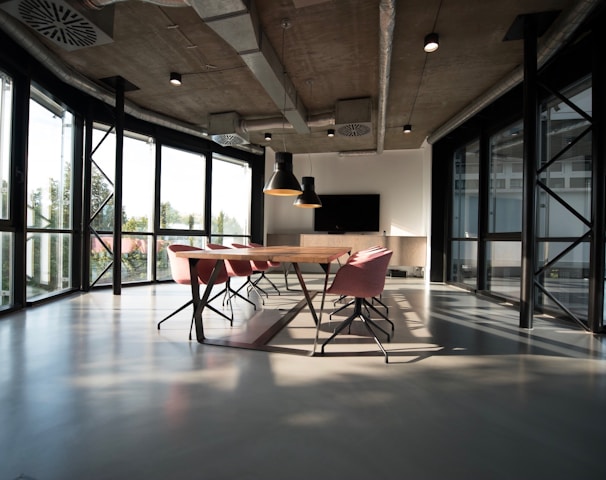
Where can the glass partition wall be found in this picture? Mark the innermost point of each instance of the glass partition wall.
(175, 189)
(7, 235)
(563, 209)
(50, 234)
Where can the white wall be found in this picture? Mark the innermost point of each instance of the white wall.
(402, 177)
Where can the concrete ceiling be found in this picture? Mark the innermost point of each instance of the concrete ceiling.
(331, 52)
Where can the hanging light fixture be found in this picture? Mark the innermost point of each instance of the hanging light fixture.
(175, 79)
(283, 182)
(407, 128)
(308, 198)
(330, 133)
(432, 42)
(268, 136)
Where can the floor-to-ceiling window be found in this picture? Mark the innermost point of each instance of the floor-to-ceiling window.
(231, 181)
(466, 190)
(49, 194)
(138, 178)
(505, 211)
(182, 203)
(6, 234)
(564, 200)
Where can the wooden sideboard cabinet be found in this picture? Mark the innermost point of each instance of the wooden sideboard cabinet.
(407, 251)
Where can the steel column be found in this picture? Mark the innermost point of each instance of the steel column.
(119, 112)
(598, 187)
(530, 156)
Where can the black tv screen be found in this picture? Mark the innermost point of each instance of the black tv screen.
(348, 213)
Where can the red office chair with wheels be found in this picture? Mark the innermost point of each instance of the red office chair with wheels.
(363, 278)
(179, 269)
(235, 268)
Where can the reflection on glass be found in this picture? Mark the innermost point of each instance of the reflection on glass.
(569, 176)
(230, 197)
(49, 166)
(504, 268)
(505, 195)
(48, 267)
(466, 181)
(137, 258)
(464, 262)
(466, 191)
(138, 184)
(6, 111)
(101, 258)
(6, 260)
(182, 190)
(49, 197)
(102, 184)
(162, 265)
(566, 279)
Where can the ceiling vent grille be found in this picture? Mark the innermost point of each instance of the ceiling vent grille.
(353, 130)
(65, 25)
(224, 129)
(353, 117)
(228, 139)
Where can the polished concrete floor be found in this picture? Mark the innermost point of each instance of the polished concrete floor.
(90, 389)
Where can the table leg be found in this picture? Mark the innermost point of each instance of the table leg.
(317, 320)
(200, 303)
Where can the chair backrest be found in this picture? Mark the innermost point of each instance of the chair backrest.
(364, 277)
(235, 268)
(179, 267)
(257, 265)
(361, 254)
(270, 263)
(205, 269)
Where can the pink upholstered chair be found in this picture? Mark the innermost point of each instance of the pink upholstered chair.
(362, 278)
(235, 268)
(353, 258)
(179, 269)
(257, 267)
(262, 275)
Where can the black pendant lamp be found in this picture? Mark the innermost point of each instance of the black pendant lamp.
(283, 182)
(309, 198)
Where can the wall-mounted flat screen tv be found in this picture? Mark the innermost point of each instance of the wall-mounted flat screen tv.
(345, 213)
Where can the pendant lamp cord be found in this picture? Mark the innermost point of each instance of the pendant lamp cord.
(285, 25)
(414, 102)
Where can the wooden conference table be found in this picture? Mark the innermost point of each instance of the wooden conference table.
(287, 254)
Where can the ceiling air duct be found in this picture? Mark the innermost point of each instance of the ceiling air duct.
(353, 117)
(65, 23)
(224, 129)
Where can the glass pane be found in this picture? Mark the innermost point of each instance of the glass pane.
(102, 179)
(570, 175)
(136, 263)
(49, 166)
(101, 259)
(466, 191)
(6, 111)
(230, 197)
(48, 266)
(138, 186)
(505, 194)
(162, 265)
(567, 279)
(504, 268)
(464, 262)
(182, 187)
(6, 260)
